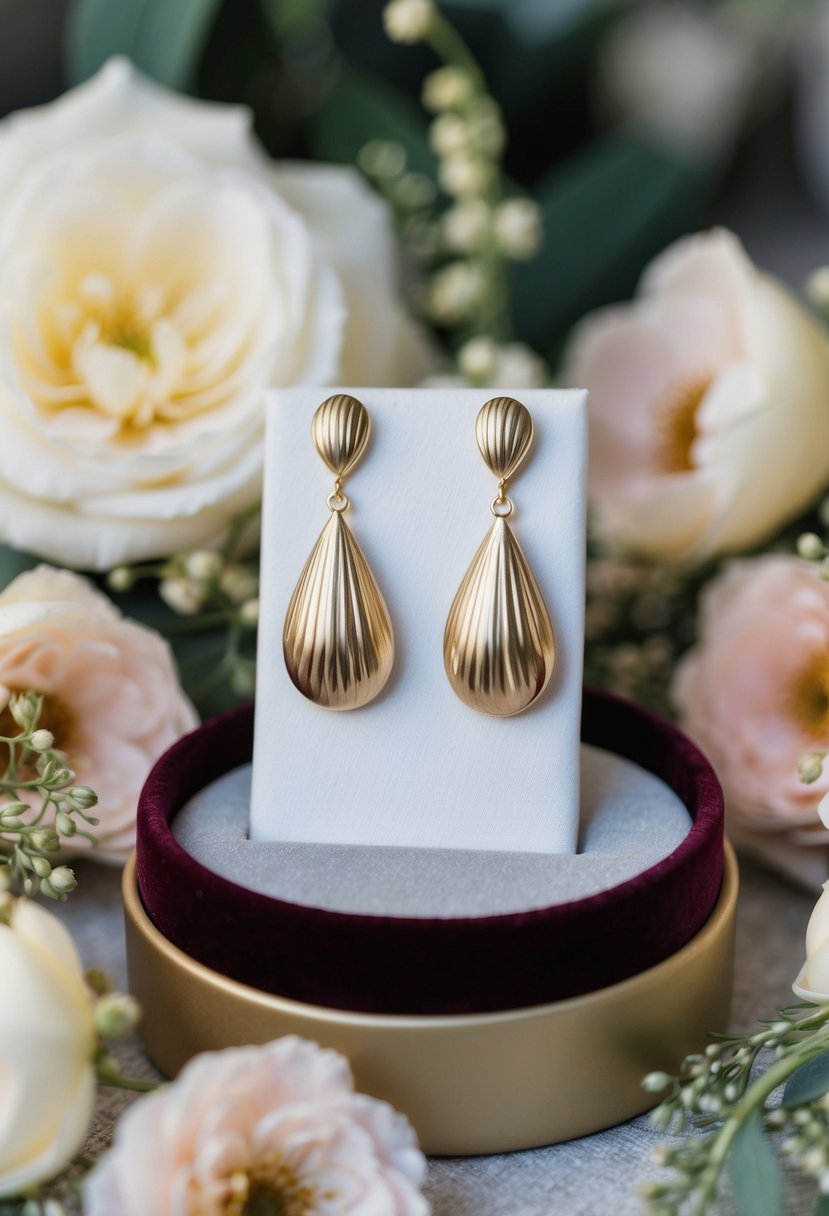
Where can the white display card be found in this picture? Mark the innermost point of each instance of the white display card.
(417, 767)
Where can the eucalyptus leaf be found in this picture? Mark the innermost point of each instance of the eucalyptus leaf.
(810, 1081)
(363, 107)
(758, 1189)
(822, 1208)
(606, 212)
(163, 37)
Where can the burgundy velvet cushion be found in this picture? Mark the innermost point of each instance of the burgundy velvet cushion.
(429, 966)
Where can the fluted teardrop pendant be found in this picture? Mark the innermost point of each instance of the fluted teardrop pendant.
(338, 640)
(498, 648)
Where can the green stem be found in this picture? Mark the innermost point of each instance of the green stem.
(755, 1098)
(116, 1080)
(449, 46)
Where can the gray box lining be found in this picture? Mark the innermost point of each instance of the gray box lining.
(629, 821)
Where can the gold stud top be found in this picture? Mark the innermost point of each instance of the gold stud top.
(504, 431)
(340, 430)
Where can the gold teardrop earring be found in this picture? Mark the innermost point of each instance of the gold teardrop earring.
(337, 639)
(498, 647)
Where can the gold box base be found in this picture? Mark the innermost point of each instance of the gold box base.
(480, 1083)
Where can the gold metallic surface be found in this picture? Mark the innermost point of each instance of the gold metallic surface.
(340, 430)
(504, 432)
(338, 641)
(484, 1083)
(498, 646)
(337, 638)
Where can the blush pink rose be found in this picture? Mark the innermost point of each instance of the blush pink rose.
(754, 693)
(708, 406)
(274, 1128)
(111, 694)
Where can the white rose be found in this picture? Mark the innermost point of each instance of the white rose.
(708, 407)
(813, 982)
(157, 272)
(47, 1040)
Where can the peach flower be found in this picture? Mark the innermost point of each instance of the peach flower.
(709, 405)
(754, 693)
(276, 1128)
(112, 697)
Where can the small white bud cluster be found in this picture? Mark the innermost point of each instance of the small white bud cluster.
(116, 1015)
(810, 767)
(487, 364)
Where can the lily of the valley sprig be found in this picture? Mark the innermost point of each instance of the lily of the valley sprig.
(32, 832)
(468, 246)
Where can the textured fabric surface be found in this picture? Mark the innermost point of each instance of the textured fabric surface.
(431, 965)
(595, 1176)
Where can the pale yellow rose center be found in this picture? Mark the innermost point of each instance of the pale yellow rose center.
(271, 1189)
(810, 698)
(134, 354)
(676, 425)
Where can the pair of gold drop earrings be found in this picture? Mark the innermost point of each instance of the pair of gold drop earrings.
(498, 646)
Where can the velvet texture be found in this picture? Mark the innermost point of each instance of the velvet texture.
(427, 966)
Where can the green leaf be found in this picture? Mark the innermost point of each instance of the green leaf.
(13, 562)
(754, 1174)
(163, 37)
(810, 1081)
(822, 1208)
(292, 19)
(363, 107)
(606, 212)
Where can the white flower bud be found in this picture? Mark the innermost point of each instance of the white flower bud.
(203, 565)
(814, 984)
(249, 614)
(456, 292)
(467, 225)
(121, 579)
(520, 367)
(65, 824)
(414, 191)
(82, 798)
(63, 880)
(184, 595)
(239, 583)
(810, 546)
(41, 866)
(810, 767)
(448, 134)
(517, 227)
(383, 158)
(486, 127)
(477, 359)
(655, 1082)
(447, 88)
(464, 175)
(116, 1015)
(24, 708)
(408, 21)
(42, 741)
(46, 840)
(817, 288)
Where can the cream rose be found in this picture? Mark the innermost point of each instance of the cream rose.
(276, 1128)
(47, 1040)
(111, 694)
(813, 982)
(709, 405)
(157, 273)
